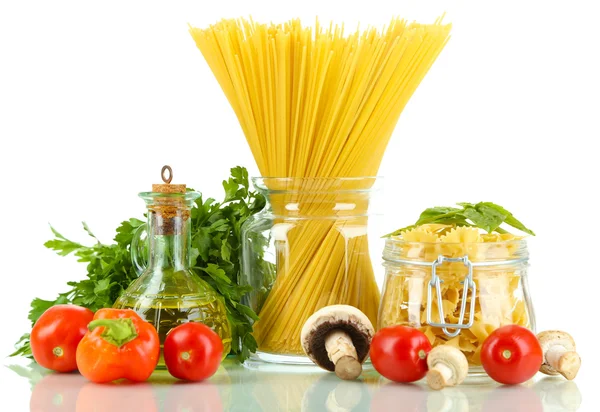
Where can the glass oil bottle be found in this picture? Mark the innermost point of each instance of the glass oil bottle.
(168, 293)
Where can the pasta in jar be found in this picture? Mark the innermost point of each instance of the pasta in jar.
(499, 271)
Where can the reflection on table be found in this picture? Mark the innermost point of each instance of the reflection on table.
(291, 388)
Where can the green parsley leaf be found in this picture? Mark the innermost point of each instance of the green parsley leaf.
(22, 347)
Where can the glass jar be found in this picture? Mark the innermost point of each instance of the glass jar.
(456, 293)
(307, 249)
(168, 293)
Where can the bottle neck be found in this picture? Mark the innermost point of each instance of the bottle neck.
(169, 240)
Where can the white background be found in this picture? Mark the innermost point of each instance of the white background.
(96, 96)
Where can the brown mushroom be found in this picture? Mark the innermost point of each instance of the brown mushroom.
(560, 355)
(447, 365)
(337, 338)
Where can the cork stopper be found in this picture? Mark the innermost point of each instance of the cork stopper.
(170, 212)
(167, 187)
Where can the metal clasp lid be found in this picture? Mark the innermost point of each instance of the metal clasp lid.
(467, 284)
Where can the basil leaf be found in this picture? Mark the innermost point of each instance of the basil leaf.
(484, 215)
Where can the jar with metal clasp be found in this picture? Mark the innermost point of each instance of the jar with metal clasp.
(457, 293)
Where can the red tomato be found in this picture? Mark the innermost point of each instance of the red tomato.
(511, 354)
(192, 351)
(400, 353)
(57, 333)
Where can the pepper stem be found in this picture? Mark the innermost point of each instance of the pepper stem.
(116, 331)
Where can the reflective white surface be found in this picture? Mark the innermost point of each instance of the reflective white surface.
(277, 388)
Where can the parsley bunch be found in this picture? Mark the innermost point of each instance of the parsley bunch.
(216, 248)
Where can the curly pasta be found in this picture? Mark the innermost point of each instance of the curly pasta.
(501, 288)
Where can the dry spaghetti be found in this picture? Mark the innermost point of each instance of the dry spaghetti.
(315, 102)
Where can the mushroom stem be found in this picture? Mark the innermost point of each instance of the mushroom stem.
(348, 368)
(338, 344)
(439, 376)
(447, 365)
(342, 353)
(565, 362)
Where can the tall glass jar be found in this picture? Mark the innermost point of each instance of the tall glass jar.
(307, 249)
(456, 293)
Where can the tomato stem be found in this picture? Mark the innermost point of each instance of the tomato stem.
(185, 355)
(422, 354)
(506, 354)
(57, 351)
(116, 331)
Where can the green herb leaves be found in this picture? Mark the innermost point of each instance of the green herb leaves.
(484, 215)
(215, 255)
(22, 347)
(216, 245)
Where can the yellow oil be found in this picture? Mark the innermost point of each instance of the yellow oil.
(166, 312)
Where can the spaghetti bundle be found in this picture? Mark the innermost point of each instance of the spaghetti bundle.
(317, 103)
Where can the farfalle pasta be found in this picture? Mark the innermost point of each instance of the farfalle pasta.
(499, 272)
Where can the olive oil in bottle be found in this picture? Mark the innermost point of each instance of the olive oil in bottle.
(168, 312)
(167, 293)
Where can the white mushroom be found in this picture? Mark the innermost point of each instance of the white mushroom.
(337, 338)
(447, 365)
(560, 355)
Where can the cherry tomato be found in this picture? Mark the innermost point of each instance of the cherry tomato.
(511, 354)
(57, 333)
(400, 353)
(192, 351)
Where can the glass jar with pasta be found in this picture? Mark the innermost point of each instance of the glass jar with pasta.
(456, 285)
(308, 248)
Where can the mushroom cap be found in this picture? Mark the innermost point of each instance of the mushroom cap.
(550, 338)
(453, 358)
(336, 317)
